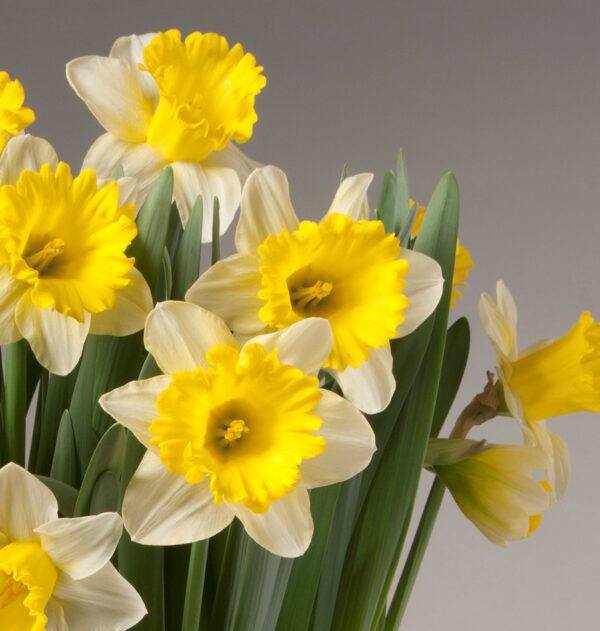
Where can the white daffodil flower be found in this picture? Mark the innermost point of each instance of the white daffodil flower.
(56, 574)
(63, 269)
(345, 269)
(234, 431)
(543, 380)
(166, 101)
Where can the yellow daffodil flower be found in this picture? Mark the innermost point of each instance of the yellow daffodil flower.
(164, 100)
(56, 573)
(234, 431)
(493, 485)
(63, 268)
(14, 117)
(463, 262)
(548, 379)
(345, 269)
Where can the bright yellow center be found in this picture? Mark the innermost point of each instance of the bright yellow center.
(66, 239)
(247, 421)
(207, 93)
(462, 264)
(343, 270)
(27, 580)
(561, 378)
(13, 116)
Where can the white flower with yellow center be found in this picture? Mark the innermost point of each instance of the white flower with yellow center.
(493, 485)
(234, 431)
(56, 573)
(547, 379)
(14, 117)
(345, 269)
(167, 101)
(63, 268)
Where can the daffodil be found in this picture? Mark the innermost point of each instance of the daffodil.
(463, 262)
(493, 485)
(547, 379)
(234, 431)
(345, 269)
(56, 573)
(63, 268)
(14, 116)
(164, 100)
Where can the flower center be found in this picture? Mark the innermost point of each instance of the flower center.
(13, 116)
(27, 580)
(84, 268)
(246, 422)
(207, 93)
(344, 270)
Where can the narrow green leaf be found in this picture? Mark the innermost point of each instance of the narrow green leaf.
(401, 204)
(15, 402)
(387, 201)
(216, 232)
(195, 586)
(303, 583)
(344, 173)
(119, 172)
(186, 267)
(153, 227)
(65, 465)
(383, 522)
(177, 561)
(165, 284)
(66, 495)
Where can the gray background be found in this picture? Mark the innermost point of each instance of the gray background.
(505, 93)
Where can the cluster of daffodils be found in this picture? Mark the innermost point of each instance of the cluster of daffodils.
(240, 391)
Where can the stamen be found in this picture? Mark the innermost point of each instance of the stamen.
(40, 260)
(9, 590)
(310, 297)
(234, 431)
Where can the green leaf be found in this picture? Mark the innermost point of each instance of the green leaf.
(383, 522)
(195, 586)
(401, 205)
(153, 228)
(65, 465)
(15, 402)
(216, 230)
(66, 495)
(387, 201)
(303, 583)
(186, 266)
(119, 172)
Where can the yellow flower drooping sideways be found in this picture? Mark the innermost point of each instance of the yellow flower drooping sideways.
(493, 485)
(63, 268)
(463, 262)
(56, 573)
(14, 116)
(234, 431)
(345, 269)
(548, 379)
(164, 100)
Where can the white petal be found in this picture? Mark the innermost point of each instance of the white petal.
(11, 291)
(139, 161)
(83, 545)
(132, 306)
(56, 340)
(230, 289)
(351, 197)
(179, 334)
(25, 503)
(350, 443)
(507, 306)
(131, 50)
(134, 405)
(104, 601)
(266, 209)
(497, 327)
(305, 344)
(56, 617)
(127, 190)
(25, 153)
(370, 386)
(562, 465)
(285, 529)
(161, 508)
(232, 158)
(193, 180)
(111, 90)
(424, 286)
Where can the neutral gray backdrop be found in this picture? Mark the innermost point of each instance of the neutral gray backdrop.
(505, 93)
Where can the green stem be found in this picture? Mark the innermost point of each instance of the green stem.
(15, 402)
(195, 586)
(415, 557)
